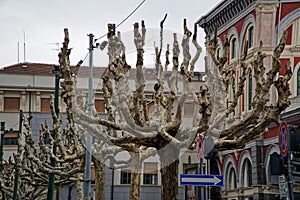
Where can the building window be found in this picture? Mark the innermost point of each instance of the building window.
(298, 82)
(233, 48)
(233, 86)
(10, 141)
(250, 90)
(250, 37)
(125, 176)
(11, 138)
(275, 168)
(100, 106)
(45, 105)
(189, 109)
(232, 179)
(247, 174)
(11, 104)
(150, 173)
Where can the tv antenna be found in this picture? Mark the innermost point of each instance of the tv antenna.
(54, 43)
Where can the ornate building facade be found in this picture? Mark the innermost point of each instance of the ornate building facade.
(252, 172)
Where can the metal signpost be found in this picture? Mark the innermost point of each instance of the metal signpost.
(201, 180)
(284, 147)
(200, 149)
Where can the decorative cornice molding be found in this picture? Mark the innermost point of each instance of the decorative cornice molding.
(225, 14)
(266, 7)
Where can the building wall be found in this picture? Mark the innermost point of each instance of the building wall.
(263, 16)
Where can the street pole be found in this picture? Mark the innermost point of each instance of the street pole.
(290, 177)
(202, 172)
(16, 181)
(2, 130)
(200, 189)
(112, 184)
(51, 184)
(88, 156)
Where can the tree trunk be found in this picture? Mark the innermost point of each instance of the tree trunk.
(99, 168)
(135, 181)
(169, 174)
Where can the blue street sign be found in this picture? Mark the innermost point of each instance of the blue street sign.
(201, 180)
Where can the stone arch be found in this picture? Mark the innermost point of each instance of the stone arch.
(229, 167)
(250, 20)
(294, 80)
(233, 32)
(286, 21)
(233, 37)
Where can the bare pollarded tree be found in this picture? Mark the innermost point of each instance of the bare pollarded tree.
(132, 128)
(32, 160)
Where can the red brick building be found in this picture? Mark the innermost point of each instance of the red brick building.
(249, 172)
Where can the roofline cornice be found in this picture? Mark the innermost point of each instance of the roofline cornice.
(228, 12)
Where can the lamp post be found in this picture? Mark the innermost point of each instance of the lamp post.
(2, 130)
(16, 180)
(51, 184)
(88, 156)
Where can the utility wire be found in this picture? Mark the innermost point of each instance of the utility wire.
(130, 14)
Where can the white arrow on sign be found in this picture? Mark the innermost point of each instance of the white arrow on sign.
(215, 180)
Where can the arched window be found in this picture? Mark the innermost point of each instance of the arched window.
(298, 82)
(233, 86)
(250, 37)
(246, 173)
(250, 90)
(233, 48)
(232, 184)
(230, 176)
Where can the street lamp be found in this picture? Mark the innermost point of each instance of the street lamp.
(2, 130)
(51, 185)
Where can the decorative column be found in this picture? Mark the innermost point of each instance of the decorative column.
(258, 168)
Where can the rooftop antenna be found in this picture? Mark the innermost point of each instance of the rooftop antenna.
(18, 46)
(24, 65)
(56, 44)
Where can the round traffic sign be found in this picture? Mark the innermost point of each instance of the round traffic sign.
(283, 139)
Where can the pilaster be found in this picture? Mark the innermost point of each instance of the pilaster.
(38, 101)
(265, 23)
(23, 101)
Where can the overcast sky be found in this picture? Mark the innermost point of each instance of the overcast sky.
(43, 22)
